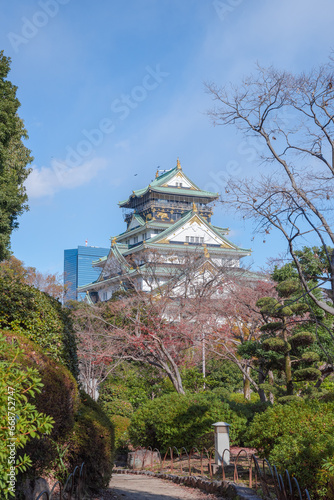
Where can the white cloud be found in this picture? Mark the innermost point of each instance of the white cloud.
(46, 181)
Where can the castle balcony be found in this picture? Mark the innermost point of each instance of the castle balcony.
(161, 205)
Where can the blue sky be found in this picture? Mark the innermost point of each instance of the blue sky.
(114, 88)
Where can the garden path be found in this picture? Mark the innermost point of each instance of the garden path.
(133, 487)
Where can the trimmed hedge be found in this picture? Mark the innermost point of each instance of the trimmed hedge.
(81, 432)
(181, 420)
(297, 436)
(27, 311)
(92, 442)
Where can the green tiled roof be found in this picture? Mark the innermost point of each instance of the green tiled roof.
(157, 186)
(154, 242)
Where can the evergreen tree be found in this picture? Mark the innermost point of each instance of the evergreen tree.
(294, 350)
(14, 158)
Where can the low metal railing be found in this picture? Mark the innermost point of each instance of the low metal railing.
(74, 488)
(273, 484)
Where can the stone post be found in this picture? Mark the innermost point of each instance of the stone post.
(222, 442)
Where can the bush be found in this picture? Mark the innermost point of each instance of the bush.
(180, 420)
(121, 425)
(296, 436)
(92, 442)
(81, 431)
(30, 312)
(59, 396)
(20, 419)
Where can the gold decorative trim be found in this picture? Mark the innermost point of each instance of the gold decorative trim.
(208, 267)
(194, 219)
(206, 252)
(163, 241)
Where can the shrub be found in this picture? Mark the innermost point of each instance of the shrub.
(30, 312)
(296, 436)
(180, 420)
(325, 477)
(121, 425)
(81, 431)
(92, 442)
(59, 396)
(20, 419)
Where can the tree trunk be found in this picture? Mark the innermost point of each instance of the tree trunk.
(262, 395)
(271, 382)
(247, 391)
(288, 375)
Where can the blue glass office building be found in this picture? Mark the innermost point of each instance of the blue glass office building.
(78, 269)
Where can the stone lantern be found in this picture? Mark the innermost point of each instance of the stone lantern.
(222, 442)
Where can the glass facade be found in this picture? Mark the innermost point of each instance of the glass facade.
(78, 269)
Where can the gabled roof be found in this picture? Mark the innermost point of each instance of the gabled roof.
(187, 218)
(159, 241)
(138, 229)
(159, 186)
(138, 218)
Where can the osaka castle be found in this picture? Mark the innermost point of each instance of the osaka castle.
(171, 218)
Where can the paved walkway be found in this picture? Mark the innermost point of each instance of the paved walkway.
(133, 487)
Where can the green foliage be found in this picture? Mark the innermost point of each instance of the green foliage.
(14, 158)
(25, 310)
(58, 398)
(302, 339)
(307, 374)
(81, 430)
(296, 436)
(310, 357)
(180, 420)
(287, 335)
(92, 442)
(275, 325)
(288, 287)
(121, 425)
(276, 344)
(325, 478)
(20, 419)
(131, 386)
(223, 374)
(286, 272)
(314, 261)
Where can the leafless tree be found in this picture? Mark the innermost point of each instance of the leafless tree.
(293, 116)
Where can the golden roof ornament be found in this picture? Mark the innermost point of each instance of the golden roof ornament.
(178, 164)
(157, 174)
(113, 241)
(194, 207)
(206, 252)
